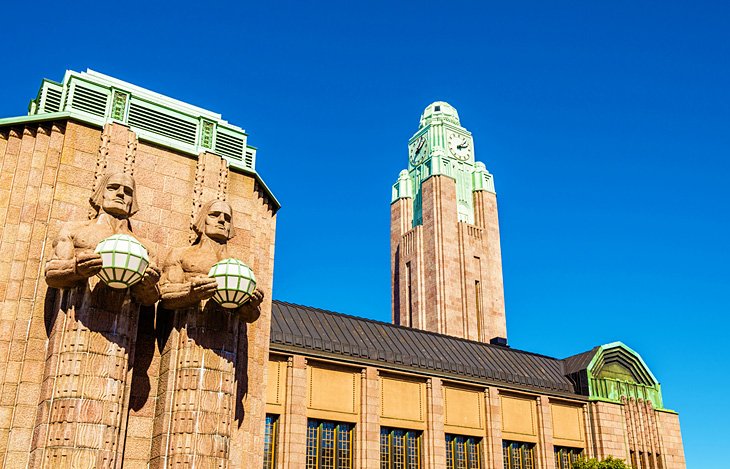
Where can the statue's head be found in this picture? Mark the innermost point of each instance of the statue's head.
(116, 196)
(214, 220)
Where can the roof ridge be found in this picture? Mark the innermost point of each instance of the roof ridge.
(419, 331)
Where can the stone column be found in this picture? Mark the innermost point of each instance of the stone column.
(197, 388)
(85, 396)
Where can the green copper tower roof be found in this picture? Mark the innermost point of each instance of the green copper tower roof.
(441, 146)
(94, 98)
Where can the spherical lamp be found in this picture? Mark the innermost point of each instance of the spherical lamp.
(124, 260)
(236, 282)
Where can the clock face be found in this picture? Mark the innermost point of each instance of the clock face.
(460, 146)
(418, 150)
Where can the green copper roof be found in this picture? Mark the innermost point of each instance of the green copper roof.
(95, 98)
(441, 146)
(616, 371)
(440, 110)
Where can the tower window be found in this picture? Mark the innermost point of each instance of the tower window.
(409, 293)
(478, 309)
(437, 108)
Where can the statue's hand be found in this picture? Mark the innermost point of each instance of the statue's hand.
(88, 263)
(256, 298)
(203, 287)
(250, 311)
(151, 276)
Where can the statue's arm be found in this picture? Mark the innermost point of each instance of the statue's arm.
(179, 290)
(68, 266)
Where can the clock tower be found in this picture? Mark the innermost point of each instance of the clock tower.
(446, 263)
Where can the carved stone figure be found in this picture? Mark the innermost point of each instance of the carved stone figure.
(203, 377)
(185, 280)
(74, 259)
(92, 332)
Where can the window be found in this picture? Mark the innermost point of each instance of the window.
(478, 309)
(409, 293)
(270, 436)
(329, 445)
(518, 455)
(565, 457)
(400, 449)
(463, 452)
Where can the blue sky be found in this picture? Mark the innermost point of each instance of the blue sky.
(605, 126)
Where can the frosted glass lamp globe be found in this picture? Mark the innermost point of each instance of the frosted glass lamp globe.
(236, 282)
(124, 260)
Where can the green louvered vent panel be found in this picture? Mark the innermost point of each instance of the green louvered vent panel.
(53, 100)
(88, 100)
(162, 124)
(249, 159)
(229, 146)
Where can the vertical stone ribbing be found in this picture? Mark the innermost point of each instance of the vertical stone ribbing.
(196, 398)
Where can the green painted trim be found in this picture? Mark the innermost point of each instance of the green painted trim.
(51, 116)
(100, 121)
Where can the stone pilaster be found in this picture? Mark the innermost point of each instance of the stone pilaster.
(434, 437)
(294, 439)
(494, 425)
(545, 433)
(368, 429)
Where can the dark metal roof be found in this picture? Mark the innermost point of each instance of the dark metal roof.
(319, 331)
(579, 362)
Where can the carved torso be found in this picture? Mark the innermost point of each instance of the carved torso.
(89, 234)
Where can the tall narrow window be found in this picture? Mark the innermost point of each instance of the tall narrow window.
(409, 293)
(518, 455)
(329, 445)
(463, 452)
(400, 449)
(565, 457)
(270, 437)
(478, 308)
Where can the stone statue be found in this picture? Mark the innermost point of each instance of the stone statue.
(185, 282)
(205, 353)
(93, 327)
(74, 259)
